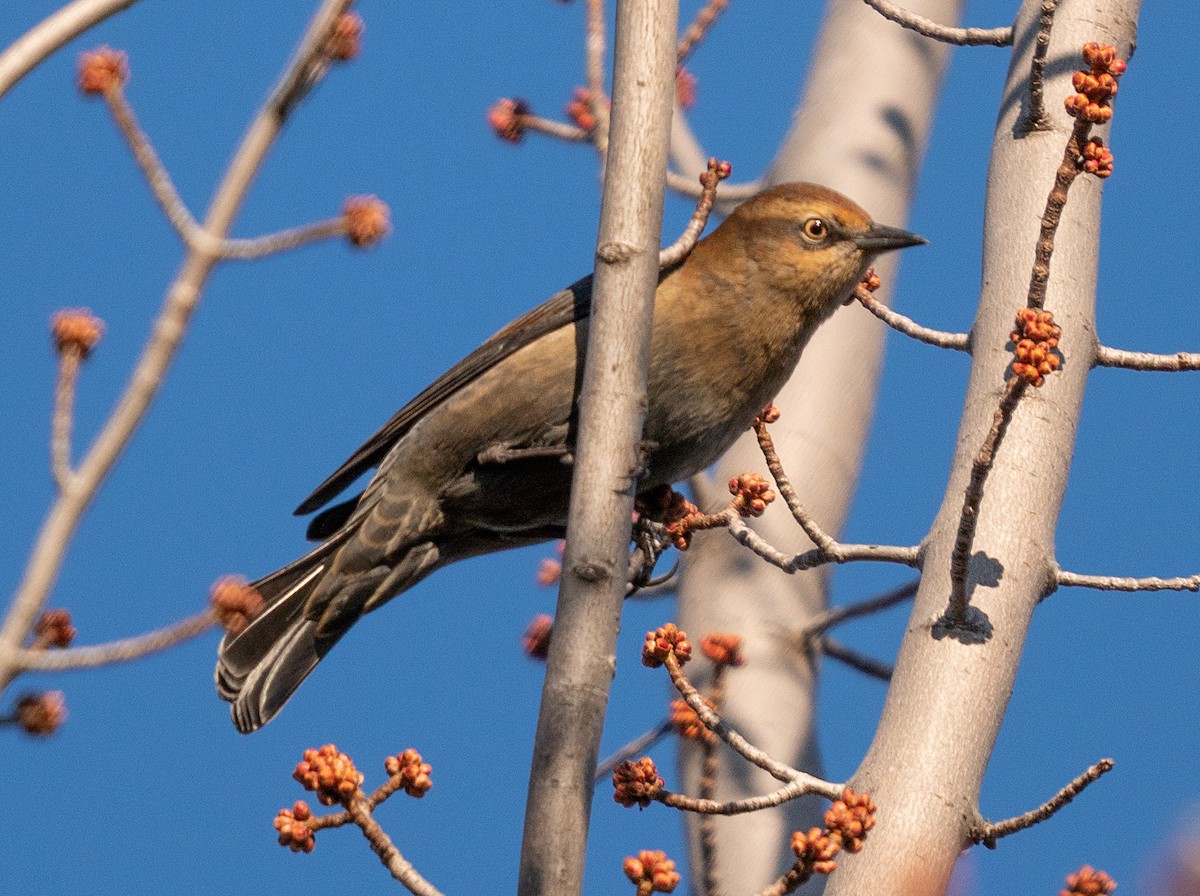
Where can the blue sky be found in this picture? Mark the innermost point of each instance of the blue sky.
(292, 361)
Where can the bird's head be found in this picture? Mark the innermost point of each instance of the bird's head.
(810, 242)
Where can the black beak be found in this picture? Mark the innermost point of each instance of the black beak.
(881, 238)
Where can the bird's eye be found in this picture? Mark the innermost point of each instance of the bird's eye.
(815, 230)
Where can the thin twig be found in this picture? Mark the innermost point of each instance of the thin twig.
(399, 867)
(679, 250)
(728, 192)
(1068, 170)
(1038, 120)
(838, 553)
(963, 37)
(597, 97)
(123, 651)
(855, 659)
(988, 833)
(825, 542)
(64, 414)
(157, 177)
(1122, 583)
(709, 807)
(710, 768)
(284, 240)
(572, 133)
(828, 550)
(182, 297)
(51, 34)
(1115, 357)
(822, 622)
(942, 339)
(960, 559)
(744, 748)
(635, 747)
(695, 33)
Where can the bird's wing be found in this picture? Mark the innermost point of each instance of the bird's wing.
(572, 304)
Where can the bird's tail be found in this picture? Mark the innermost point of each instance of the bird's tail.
(259, 668)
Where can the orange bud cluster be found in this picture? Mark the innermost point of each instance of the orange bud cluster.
(579, 108)
(102, 69)
(54, 629)
(815, 850)
(412, 772)
(846, 824)
(549, 572)
(1094, 89)
(294, 832)
(687, 724)
(751, 494)
(723, 648)
(507, 119)
(345, 38)
(75, 330)
(536, 640)
(1097, 159)
(652, 872)
(685, 87)
(849, 819)
(870, 281)
(769, 414)
(636, 783)
(41, 714)
(367, 220)
(235, 603)
(1087, 881)
(330, 774)
(1035, 340)
(664, 641)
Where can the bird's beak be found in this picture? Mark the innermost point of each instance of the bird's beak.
(881, 238)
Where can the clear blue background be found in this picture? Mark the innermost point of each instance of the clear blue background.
(292, 361)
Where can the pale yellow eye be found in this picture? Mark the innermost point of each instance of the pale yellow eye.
(815, 230)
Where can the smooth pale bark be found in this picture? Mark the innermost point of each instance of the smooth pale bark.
(612, 410)
(948, 695)
(861, 128)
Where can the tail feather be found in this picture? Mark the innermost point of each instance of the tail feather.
(259, 668)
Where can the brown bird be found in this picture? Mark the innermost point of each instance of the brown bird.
(480, 460)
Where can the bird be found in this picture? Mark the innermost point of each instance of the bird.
(480, 460)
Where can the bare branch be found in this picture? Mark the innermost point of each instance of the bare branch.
(679, 249)
(1120, 583)
(960, 559)
(157, 177)
(63, 418)
(988, 833)
(122, 651)
(835, 553)
(1038, 120)
(703, 806)
(399, 867)
(744, 748)
(855, 659)
(283, 241)
(970, 37)
(957, 341)
(182, 298)
(1068, 170)
(51, 34)
(1115, 357)
(728, 192)
(700, 26)
(837, 615)
(635, 747)
(597, 96)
